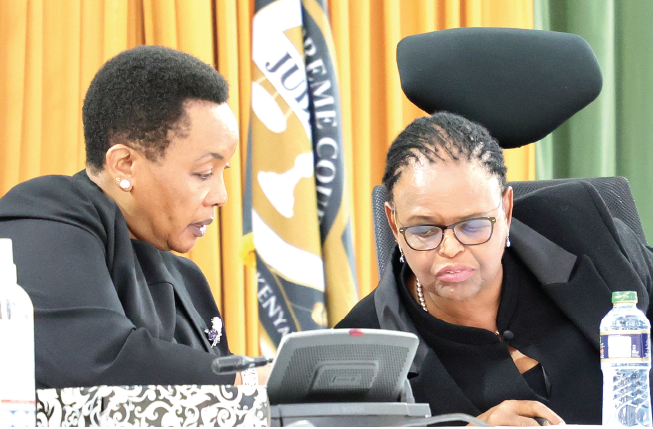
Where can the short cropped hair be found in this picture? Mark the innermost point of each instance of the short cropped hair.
(138, 96)
(443, 136)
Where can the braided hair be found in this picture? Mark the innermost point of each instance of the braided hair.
(443, 136)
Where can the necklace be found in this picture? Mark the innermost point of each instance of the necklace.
(420, 297)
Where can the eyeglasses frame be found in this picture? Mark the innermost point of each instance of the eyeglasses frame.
(492, 219)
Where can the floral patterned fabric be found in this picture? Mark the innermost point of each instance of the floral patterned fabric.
(185, 405)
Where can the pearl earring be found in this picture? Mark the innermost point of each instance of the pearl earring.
(124, 184)
(508, 241)
(402, 259)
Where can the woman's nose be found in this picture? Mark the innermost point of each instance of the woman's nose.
(218, 194)
(450, 245)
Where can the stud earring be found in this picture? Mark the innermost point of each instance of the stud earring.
(124, 184)
(508, 241)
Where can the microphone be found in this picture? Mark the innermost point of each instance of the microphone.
(235, 363)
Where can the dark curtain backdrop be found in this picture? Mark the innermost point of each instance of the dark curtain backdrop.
(614, 134)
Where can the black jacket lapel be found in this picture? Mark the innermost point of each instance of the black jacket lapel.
(391, 313)
(157, 273)
(566, 278)
(198, 324)
(589, 289)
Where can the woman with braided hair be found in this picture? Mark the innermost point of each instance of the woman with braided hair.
(505, 296)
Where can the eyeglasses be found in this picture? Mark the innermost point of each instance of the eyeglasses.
(469, 232)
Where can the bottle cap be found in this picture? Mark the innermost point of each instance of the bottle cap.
(7, 267)
(624, 296)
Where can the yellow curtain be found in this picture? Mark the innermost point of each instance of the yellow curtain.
(366, 34)
(51, 49)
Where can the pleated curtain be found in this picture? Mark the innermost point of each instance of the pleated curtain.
(51, 49)
(613, 136)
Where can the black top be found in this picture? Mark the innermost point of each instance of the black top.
(567, 257)
(535, 324)
(108, 309)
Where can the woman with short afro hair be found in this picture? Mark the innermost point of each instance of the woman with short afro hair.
(113, 304)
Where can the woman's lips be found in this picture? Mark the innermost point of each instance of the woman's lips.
(455, 274)
(198, 229)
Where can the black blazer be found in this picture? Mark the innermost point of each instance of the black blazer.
(108, 309)
(578, 254)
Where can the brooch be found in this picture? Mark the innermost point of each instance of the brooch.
(215, 332)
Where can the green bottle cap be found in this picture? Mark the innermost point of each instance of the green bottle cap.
(624, 296)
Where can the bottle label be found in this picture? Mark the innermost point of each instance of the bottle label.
(626, 346)
(17, 388)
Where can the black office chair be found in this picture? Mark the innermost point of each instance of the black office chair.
(614, 191)
(519, 84)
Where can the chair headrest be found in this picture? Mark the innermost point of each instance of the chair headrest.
(519, 84)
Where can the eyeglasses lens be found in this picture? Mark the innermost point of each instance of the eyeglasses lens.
(426, 237)
(423, 237)
(476, 231)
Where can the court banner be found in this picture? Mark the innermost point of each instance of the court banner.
(334, 210)
(297, 220)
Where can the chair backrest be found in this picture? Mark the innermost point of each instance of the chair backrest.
(615, 191)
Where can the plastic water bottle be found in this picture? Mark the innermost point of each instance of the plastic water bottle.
(626, 362)
(17, 388)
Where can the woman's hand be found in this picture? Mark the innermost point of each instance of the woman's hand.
(519, 413)
(262, 372)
